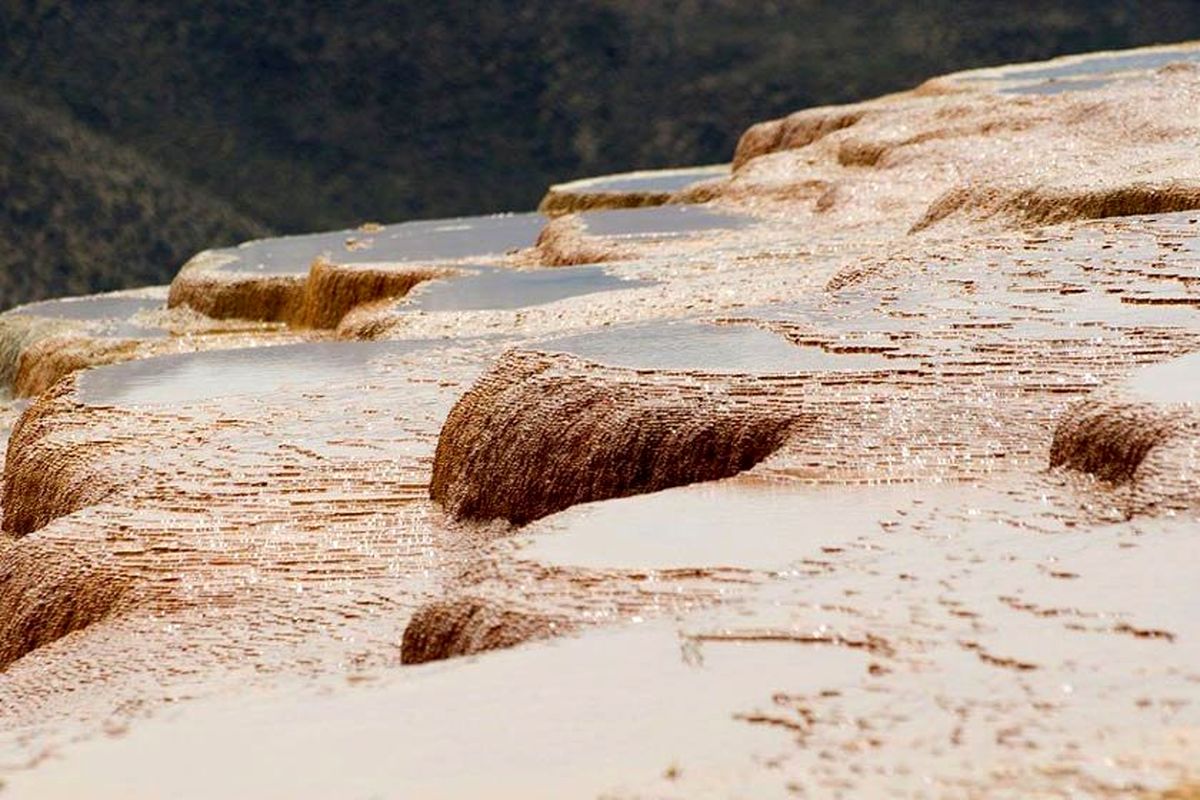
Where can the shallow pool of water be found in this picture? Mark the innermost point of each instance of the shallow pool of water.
(1174, 381)
(736, 523)
(113, 313)
(669, 180)
(407, 242)
(703, 347)
(1104, 65)
(492, 288)
(660, 221)
(208, 375)
(1056, 87)
(90, 308)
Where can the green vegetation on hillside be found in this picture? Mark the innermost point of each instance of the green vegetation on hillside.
(302, 115)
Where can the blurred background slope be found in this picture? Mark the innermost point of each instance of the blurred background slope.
(133, 134)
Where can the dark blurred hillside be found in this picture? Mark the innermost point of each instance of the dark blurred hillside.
(81, 214)
(302, 115)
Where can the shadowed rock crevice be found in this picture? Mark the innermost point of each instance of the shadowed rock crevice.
(539, 433)
(464, 626)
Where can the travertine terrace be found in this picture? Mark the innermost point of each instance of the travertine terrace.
(865, 468)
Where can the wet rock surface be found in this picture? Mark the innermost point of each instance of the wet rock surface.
(874, 475)
(1139, 435)
(490, 288)
(632, 190)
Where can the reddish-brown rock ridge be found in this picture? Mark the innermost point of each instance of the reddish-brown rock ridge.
(102, 537)
(317, 300)
(949, 149)
(47, 473)
(50, 588)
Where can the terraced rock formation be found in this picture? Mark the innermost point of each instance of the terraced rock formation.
(632, 190)
(866, 470)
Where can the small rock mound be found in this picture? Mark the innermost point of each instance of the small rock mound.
(539, 433)
(794, 131)
(1111, 439)
(1142, 435)
(464, 626)
(564, 242)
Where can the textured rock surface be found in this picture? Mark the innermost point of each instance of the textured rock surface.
(464, 626)
(886, 488)
(1141, 436)
(537, 434)
(317, 300)
(1011, 159)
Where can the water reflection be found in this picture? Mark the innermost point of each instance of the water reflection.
(204, 376)
(490, 288)
(421, 241)
(695, 346)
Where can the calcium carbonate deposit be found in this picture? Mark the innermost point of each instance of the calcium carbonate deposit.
(865, 466)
